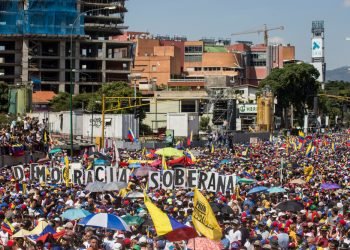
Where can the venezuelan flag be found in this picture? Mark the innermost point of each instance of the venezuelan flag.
(166, 225)
(308, 150)
(193, 158)
(7, 227)
(21, 187)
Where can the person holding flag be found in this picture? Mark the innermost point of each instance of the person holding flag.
(203, 217)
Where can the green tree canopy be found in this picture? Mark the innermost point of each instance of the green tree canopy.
(335, 106)
(295, 84)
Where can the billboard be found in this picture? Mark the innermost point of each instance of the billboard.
(317, 47)
(169, 136)
(247, 108)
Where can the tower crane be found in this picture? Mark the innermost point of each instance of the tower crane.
(264, 30)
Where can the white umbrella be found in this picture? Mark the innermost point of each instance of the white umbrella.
(134, 195)
(114, 186)
(95, 187)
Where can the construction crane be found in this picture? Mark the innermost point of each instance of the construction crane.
(265, 30)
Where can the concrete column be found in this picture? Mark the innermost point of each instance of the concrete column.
(306, 123)
(25, 53)
(76, 67)
(76, 88)
(62, 87)
(104, 52)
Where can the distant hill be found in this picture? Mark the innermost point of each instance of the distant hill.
(338, 74)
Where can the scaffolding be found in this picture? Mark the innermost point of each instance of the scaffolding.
(37, 17)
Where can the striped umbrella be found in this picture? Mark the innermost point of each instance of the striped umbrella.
(104, 220)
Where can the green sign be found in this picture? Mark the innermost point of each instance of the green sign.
(248, 108)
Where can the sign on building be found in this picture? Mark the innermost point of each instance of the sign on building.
(317, 47)
(247, 108)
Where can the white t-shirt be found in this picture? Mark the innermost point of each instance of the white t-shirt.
(234, 236)
(69, 203)
(4, 237)
(108, 244)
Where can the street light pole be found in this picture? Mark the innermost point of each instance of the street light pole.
(71, 69)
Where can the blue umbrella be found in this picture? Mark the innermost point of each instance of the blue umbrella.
(328, 186)
(257, 189)
(225, 161)
(276, 190)
(100, 162)
(4, 204)
(104, 220)
(55, 150)
(190, 194)
(75, 214)
(134, 165)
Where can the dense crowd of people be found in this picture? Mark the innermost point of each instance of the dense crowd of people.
(27, 134)
(248, 221)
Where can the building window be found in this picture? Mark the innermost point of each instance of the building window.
(188, 106)
(194, 49)
(193, 58)
(154, 68)
(197, 69)
(257, 59)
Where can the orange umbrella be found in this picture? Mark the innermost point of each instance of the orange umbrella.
(203, 243)
(298, 181)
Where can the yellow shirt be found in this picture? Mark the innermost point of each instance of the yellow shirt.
(266, 204)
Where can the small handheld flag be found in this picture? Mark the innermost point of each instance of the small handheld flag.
(131, 136)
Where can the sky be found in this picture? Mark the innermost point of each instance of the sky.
(196, 19)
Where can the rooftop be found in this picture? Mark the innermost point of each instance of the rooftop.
(43, 97)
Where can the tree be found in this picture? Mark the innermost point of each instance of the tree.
(60, 102)
(296, 85)
(333, 107)
(204, 123)
(93, 101)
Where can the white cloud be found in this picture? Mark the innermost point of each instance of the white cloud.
(276, 40)
(347, 3)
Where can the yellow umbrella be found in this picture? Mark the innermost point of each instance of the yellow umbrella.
(168, 152)
(139, 161)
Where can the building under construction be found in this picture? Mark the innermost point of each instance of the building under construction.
(36, 48)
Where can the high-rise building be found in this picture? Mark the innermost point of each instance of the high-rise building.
(36, 48)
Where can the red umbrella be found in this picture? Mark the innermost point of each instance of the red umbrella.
(43, 160)
(204, 244)
(155, 163)
(55, 236)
